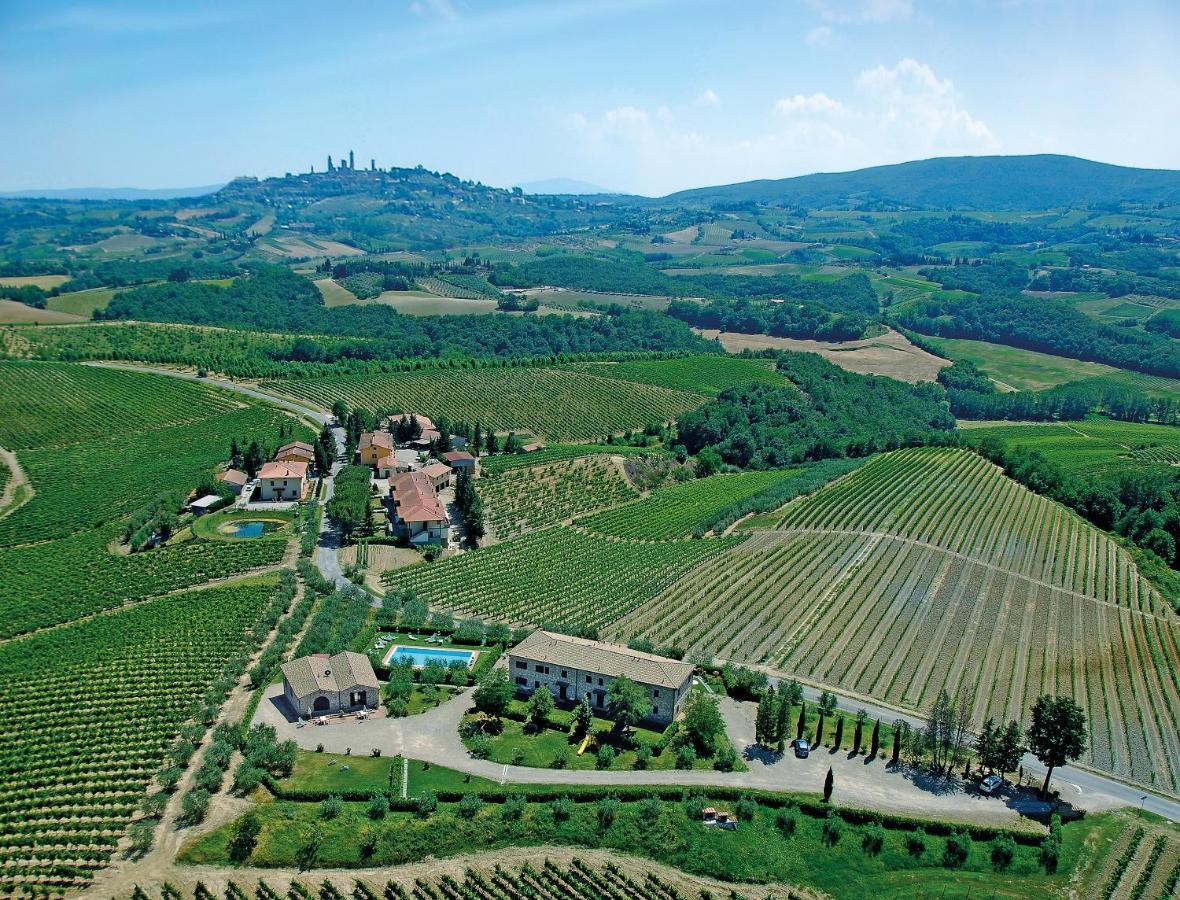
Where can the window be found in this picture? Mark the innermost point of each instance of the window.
(656, 693)
(521, 664)
(564, 674)
(588, 679)
(544, 670)
(600, 682)
(536, 684)
(523, 682)
(655, 710)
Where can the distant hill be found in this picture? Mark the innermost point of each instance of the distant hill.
(963, 182)
(123, 193)
(563, 186)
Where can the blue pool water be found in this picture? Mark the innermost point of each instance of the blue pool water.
(246, 529)
(420, 656)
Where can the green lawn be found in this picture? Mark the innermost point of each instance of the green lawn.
(209, 526)
(335, 773)
(1016, 369)
(427, 777)
(779, 842)
(81, 303)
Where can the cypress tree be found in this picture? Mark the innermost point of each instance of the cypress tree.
(875, 743)
(896, 745)
(857, 736)
(828, 784)
(839, 742)
(819, 729)
(802, 720)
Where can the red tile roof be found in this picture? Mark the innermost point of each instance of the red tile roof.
(380, 439)
(414, 499)
(283, 469)
(233, 476)
(454, 456)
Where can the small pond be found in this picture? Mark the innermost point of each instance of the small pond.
(249, 528)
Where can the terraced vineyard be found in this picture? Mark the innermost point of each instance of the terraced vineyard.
(928, 568)
(551, 403)
(701, 374)
(89, 711)
(559, 575)
(523, 499)
(681, 509)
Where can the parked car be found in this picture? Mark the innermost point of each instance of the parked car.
(990, 784)
(801, 748)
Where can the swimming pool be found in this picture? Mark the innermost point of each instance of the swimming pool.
(420, 656)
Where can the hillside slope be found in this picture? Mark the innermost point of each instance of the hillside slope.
(967, 182)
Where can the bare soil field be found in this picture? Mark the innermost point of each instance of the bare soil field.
(14, 313)
(889, 354)
(45, 282)
(293, 246)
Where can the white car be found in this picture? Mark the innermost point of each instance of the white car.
(990, 784)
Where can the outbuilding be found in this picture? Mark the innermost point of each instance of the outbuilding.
(321, 685)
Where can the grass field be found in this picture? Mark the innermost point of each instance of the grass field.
(45, 282)
(525, 499)
(13, 312)
(550, 403)
(558, 575)
(81, 303)
(71, 782)
(708, 375)
(928, 568)
(1100, 448)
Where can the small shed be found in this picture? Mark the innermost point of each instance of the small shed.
(205, 504)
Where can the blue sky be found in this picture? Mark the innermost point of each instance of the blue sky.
(647, 96)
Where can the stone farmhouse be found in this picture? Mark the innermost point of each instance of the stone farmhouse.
(461, 460)
(439, 475)
(234, 479)
(283, 481)
(373, 446)
(417, 513)
(573, 667)
(320, 685)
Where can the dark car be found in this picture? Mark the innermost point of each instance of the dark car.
(801, 748)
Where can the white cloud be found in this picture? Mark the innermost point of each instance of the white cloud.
(440, 9)
(820, 36)
(816, 103)
(891, 114)
(709, 98)
(862, 12)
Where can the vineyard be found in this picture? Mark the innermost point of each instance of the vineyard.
(1140, 862)
(507, 462)
(59, 581)
(521, 500)
(927, 568)
(708, 375)
(558, 575)
(682, 509)
(1096, 447)
(551, 403)
(53, 404)
(90, 709)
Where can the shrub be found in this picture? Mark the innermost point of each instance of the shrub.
(1003, 851)
(643, 757)
(560, 759)
(608, 808)
(726, 760)
(605, 758)
(331, 807)
(425, 805)
(194, 806)
(694, 806)
(833, 828)
(378, 806)
(958, 848)
(562, 808)
(649, 809)
(470, 805)
(786, 820)
(686, 757)
(247, 777)
(367, 842)
(517, 755)
(915, 843)
(872, 838)
(512, 809)
(244, 836)
(480, 747)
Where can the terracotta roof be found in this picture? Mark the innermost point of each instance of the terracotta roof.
(233, 476)
(428, 435)
(414, 499)
(297, 445)
(319, 672)
(530, 448)
(601, 658)
(425, 423)
(435, 469)
(454, 456)
(380, 439)
(283, 469)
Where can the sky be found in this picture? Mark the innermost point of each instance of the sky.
(642, 96)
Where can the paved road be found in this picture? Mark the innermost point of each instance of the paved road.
(1076, 785)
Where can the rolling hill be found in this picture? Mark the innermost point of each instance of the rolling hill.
(966, 182)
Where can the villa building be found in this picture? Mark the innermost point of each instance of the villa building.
(573, 667)
(418, 514)
(282, 481)
(325, 685)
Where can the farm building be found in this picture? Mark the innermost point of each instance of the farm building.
(234, 479)
(439, 475)
(532, 447)
(573, 667)
(322, 685)
(373, 447)
(424, 440)
(418, 514)
(461, 460)
(296, 451)
(424, 423)
(205, 504)
(282, 481)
